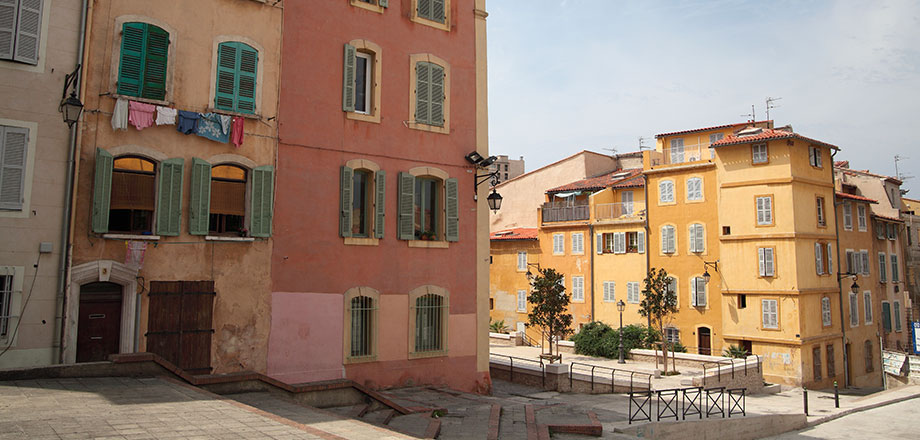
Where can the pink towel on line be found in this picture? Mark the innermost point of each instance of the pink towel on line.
(236, 132)
(141, 115)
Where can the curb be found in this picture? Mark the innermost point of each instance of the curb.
(859, 409)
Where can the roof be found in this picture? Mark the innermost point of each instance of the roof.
(717, 127)
(891, 219)
(767, 134)
(841, 195)
(868, 173)
(582, 152)
(842, 164)
(515, 234)
(619, 178)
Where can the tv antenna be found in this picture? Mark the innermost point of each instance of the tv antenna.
(897, 172)
(770, 105)
(613, 151)
(642, 143)
(751, 115)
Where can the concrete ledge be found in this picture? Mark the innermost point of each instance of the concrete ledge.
(741, 428)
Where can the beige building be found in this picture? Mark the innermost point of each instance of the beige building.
(41, 48)
(506, 168)
(910, 214)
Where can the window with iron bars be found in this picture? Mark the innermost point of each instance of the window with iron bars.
(363, 311)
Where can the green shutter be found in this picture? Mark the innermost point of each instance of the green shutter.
(436, 98)
(423, 8)
(453, 210)
(157, 51)
(422, 93)
(237, 68)
(226, 76)
(437, 11)
(346, 179)
(199, 205)
(348, 79)
(246, 81)
(406, 227)
(169, 199)
(886, 316)
(380, 187)
(263, 183)
(102, 191)
(132, 59)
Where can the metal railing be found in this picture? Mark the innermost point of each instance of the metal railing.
(520, 360)
(731, 362)
(563, 212)
(645, 377)
(688, 153)
(679, 403)
(611, 211)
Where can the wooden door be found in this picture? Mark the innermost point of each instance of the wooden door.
(705, 341)
(99, 322)
(180, 323)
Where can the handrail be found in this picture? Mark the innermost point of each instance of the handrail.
(511, 366)
(613, 373)
(731, 363)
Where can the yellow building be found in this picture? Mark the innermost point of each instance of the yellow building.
(509, 286)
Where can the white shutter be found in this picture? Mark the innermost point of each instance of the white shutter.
(14, 143)
(8, 13)
(700, 292)
(768, 210)
(619, 242)
(640, 241)
(762, 264)
(830, 259)
(768, 259)
(760, 216)
(599, 243)
(28, 31)
(693, 287)
(819, 262)
(864, 255)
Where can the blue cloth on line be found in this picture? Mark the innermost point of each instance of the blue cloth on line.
(210, 127)
(188, 122)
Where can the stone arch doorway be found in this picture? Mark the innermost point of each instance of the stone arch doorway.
(111, 277)
(704, 339)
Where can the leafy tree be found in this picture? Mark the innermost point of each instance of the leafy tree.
(550, 304)
(734, 351)
(497, 326)
(599, 339)
(658, 304)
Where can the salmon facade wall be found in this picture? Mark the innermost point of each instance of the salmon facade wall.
(312, 265)
(239, 270)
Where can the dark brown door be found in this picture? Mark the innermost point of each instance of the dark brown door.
(705, 342)
(99, 321)
(748, 347)
(179, 323)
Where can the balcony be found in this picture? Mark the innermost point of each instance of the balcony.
(565, 212)
(619, 211)
(685, 154)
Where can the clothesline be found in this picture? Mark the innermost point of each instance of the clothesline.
(213, 126)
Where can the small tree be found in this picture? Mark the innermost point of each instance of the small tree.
(658, 305)
(550, 304)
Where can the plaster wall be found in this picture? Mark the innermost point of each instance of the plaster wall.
(505, 279)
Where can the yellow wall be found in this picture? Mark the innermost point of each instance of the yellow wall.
(569, 264)
(505, 279)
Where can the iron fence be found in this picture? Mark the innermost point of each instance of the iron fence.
(679, 403)
(521, 360)
(614, 374)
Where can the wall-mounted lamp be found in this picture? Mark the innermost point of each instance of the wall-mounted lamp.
(706, 265)
(529, 273)
(494, 199)
(853, 287)
(71, 107)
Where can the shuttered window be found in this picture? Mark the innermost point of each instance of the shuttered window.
(864, 262)
(558, 244)
(632, 292)
(14, 143)
(867, 305)
(578, 243)
(522, 300)
(895, 274)
(870, 364)
(144, 55)
(882, 268)
(819, 258)
(133, 197)
(422, 200)
(698, 292)
(227, 207)
(429, 94)
(854, 310)
(766, 263)
(668, 240)
(578, 288)
(522, 260)
(847, 216)
(237, 65)
(169, 200)
(20, 30)
(759, 153)
(665, 191)
(765, 210)
(433, 10)
(861, 217)
(896, 305)
(816, 362)
(263, 193)
(826, 311)
(886, 316)
(695, 188)
(6, 299)
(609, 291)
(697, 244)
(770, 317)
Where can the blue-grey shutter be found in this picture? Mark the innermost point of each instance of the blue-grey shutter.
(199, 206)
(14, 142)
(263, 184)
(406, 227)
(169, 199)
(453, 210)
(436, 97)
(437, 11)
(8, 12)
(380, 187)
(348, 79)
(346, 179)
(383, 3)
(423, 8)
(28, 31)
(422, 93)
(102, 191)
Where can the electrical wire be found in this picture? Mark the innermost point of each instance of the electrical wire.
(24, 305)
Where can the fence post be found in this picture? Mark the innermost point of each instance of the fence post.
(836, 396)
(571, 368)
(805, 397)
(511, 360)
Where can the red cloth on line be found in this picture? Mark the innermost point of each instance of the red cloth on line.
(236, 132)
(140, 114)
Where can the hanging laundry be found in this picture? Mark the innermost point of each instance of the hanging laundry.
(140, 114)
(188, 122)
(120, 115)
(166, 116)
(225, 123)
(236, 135)
(209, 127)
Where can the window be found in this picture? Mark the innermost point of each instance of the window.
(765, 210)
(695, 188)
(848, 216)
(362, 311)
(371, 5)
(632, 292)
(429, 94)
(742, 301)
(558, 244)
(237, 64)
(759, 153)
(144, 55)
(522, 261)
(578, 288)
(814, 156)
(831, 370)
(218, 202)
(698, 292)
(6, 299)
(578, 243)
(635, 242)
(766, 264)
(125, 195)
(665, 191)
(430, 315)
(697, 243)
(770, 317)
(14, 144)
(361, 81)
(672, 287)
(826, 311)
(867, 306)
(820, 210)
(626, 197)
(882, 268)
(431, 10)
(879, 230)
(854, 310)
(20, 30)
(521, 300)
(896, 305)
(609, 291)
(428, 207)
(864, 265)
(715, 137)
(672, 335)
(895, 275)
(677, 151)
(830, 259)
(892, 231)
(886, 316)
(870, 365)
(622, 242)
(668, 240)
(819, 258)
(861, 217)
(816, 362)
(852, 262)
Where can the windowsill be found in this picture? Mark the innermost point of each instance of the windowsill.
(695, 201)
(367, 6)
(360, 359)
(660, 203)
(233, 113)
(522, 311)
(437, 25)
(426, 354)
(361, 241)
(768, 225)
(760, 163)
(578, 301)
(228, 238)
(130, 237)
(144, 100)
(432, 244)
(364, 117)
(431, 128)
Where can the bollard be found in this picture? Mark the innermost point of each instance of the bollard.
(805, 397)
(836, 396)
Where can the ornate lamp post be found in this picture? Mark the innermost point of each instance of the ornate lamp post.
(621, 306)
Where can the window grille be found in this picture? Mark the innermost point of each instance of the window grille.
(363, 311)
(429, 323)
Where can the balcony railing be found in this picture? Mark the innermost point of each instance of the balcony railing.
(612, 211)
(687, 153)
(564, 212)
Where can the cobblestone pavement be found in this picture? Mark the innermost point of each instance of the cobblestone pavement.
(895, 421)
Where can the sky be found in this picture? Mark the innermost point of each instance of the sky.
(570, 75)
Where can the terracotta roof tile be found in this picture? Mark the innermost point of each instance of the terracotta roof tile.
(515, 234)
(891, 219)
(767, 134)
(739, 124)
(841, 195)
(853, 172)
(616, 179)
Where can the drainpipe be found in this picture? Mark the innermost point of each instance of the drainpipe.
(843, 327)
(64, 273)
(648, 249)
(593, 240)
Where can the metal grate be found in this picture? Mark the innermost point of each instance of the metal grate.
(6, 293)
(363, 311)
(429, 320)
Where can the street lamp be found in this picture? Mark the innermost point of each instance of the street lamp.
(494, 199)
(620, 307)
(706, 266)
(71, 107)
(853, 287)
